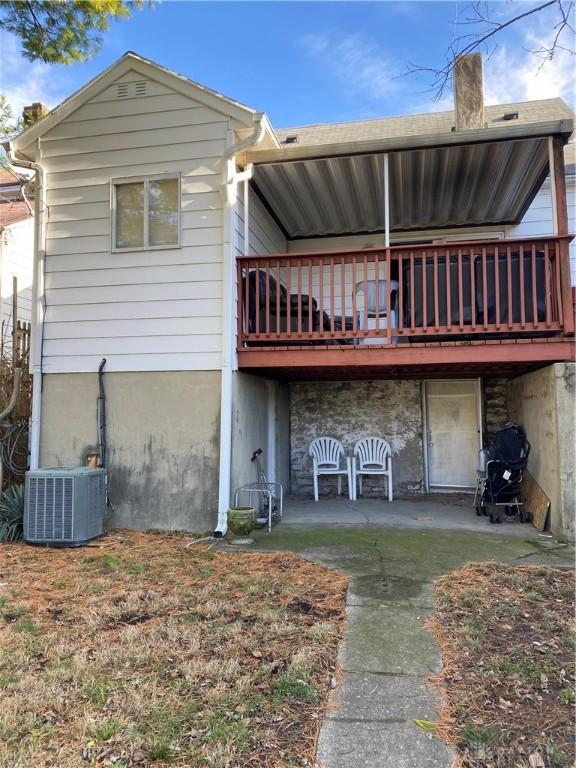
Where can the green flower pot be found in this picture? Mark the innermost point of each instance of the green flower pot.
(241, 520)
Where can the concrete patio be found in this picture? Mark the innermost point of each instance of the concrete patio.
(393, 554)
(450, 511)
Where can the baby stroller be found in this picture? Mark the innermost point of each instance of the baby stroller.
(500, 476)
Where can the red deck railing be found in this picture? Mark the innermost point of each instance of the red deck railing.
(505, 288)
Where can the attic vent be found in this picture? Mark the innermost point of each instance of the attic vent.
(290, 140)
(131, 90)
(506, 117)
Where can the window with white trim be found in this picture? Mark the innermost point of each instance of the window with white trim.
(146, 213)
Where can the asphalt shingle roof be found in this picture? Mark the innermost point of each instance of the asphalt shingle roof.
(416, 125)
(8, 177)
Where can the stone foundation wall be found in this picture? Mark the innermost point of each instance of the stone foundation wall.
(349, 411)
(495, 407)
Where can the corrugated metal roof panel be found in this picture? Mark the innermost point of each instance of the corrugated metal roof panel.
(463, 185)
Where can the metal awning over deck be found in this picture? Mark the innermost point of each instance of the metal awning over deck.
(471, 178)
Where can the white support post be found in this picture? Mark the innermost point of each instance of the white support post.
(246, 217)
(271, 429)
(386, 203)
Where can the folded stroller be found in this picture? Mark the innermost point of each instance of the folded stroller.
(500, 476)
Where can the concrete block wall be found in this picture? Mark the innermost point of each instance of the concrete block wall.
(543, 402)
(259, 420)
(249, 427)
(349, 411)
(163, 442)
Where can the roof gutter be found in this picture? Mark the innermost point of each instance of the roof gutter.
(404, 143)
(37, 319)
(230, 179)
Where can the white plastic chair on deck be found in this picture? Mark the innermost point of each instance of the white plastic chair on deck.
(372, 456)
(327, 454)
(373, 311)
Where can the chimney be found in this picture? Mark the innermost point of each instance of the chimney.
(33, 113)
(469, 92)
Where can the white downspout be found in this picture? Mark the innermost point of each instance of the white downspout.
(37, 318)
(246, 196)
(230, 181)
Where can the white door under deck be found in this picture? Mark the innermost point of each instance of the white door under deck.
(453, 433)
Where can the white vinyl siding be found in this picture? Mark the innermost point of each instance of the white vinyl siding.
(265, 235)
(538, 219)
(150, 309)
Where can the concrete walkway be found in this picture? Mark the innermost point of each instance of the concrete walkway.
(387, 654)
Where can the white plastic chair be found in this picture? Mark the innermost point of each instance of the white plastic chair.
(327, 454)
(372, 456)
(372, 314)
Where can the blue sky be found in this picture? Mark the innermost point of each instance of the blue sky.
(305, 62)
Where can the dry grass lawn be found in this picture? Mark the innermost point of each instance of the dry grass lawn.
(139, 652)
(508, 642)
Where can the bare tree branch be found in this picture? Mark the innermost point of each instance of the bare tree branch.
(478, 14)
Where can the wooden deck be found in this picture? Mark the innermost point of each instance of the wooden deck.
(504, 306)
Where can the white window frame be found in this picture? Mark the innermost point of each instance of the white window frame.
(114, 183)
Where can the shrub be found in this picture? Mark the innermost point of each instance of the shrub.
(12, 513)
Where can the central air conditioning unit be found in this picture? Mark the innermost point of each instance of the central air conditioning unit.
(64, 506)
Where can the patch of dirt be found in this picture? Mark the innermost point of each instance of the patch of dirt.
(508, 678)
(137, 652)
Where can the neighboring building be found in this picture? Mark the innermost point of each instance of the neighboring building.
(16, 252)
(227, 327)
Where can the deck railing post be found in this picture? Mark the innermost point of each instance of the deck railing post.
(563, 266)
(239, 306)
(558, 181)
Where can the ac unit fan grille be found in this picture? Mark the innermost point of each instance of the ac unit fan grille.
(49, 508)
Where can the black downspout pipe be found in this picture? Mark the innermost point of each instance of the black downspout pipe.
(102, 442)
(101, 414)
